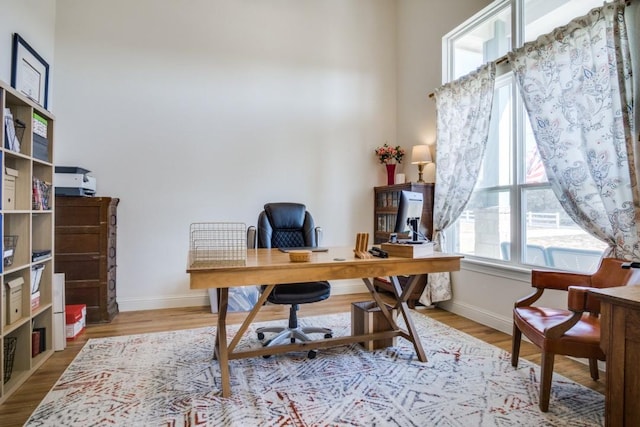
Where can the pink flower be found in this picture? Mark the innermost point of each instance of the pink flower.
(389, 155)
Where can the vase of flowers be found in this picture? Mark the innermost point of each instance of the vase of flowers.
(390, 157)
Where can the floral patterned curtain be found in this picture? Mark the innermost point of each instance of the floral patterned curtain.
(577, 88)
(463, 115)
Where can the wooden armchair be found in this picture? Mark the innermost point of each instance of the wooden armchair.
(572, 332)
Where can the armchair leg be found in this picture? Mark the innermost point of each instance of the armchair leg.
(593, 369)
(515, 345)
(546, 374)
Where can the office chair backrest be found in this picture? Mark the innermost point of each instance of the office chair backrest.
(283, 225)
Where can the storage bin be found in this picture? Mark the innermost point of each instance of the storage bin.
(40, 148)
(76, 318)
(9, 249)
(367, 318)
(9, 355)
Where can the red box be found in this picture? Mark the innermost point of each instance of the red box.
(75, 319)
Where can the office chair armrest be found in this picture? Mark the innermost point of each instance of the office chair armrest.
(251, 237)
(545, 279)
(318, 231)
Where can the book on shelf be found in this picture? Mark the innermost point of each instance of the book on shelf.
(39, 255)
(41, 195)
(35, 343)
(36, 277)
(38, 341)
(39, 125)
(11, 139)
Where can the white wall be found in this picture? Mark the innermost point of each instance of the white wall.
(205, 112)
(421, 25)
(34, 20)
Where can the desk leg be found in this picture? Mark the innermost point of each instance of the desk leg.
(401, 305)
(221, 347)
(404, 309)
(381, 304)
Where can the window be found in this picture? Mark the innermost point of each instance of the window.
(513, 215)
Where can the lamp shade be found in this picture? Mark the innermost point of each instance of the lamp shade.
(420, 154)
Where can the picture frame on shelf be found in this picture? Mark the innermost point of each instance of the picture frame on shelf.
(29, 72)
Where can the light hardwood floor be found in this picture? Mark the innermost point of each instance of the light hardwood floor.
(17, 408)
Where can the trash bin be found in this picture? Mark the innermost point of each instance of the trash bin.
(367, 318)
(240, 299)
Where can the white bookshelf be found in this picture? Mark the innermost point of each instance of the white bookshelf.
(33, 226)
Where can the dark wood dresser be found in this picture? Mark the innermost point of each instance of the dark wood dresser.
(85, 250)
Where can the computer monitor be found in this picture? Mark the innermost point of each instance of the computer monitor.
(409, 213)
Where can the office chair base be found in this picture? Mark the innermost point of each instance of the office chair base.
(291, 335)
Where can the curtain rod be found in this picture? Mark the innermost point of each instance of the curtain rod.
(502, 59)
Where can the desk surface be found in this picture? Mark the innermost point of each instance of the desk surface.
(270, 266)
(621, 295)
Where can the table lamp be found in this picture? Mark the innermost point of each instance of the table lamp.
(420, 155)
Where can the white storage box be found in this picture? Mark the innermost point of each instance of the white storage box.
(14, 299)
(10, 176)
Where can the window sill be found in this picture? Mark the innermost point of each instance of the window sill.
(498, 269)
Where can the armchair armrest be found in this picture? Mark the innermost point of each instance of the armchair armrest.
(558, 280)
(581, 300)
(546, 279)
(318, 231)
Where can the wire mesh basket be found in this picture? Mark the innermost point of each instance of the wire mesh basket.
(218, 244)
(9, 354)
(9, 249)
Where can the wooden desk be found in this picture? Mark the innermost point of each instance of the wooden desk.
(620, 340)
(271, 267)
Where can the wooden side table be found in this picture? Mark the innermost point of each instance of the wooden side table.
(620, 340)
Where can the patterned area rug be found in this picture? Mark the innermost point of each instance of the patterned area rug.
(168, 379)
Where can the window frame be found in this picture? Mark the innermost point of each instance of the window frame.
(517, 187)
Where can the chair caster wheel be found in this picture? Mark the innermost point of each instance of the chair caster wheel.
(260, 336)
(328, 335)
(266, 356)
(312, 354)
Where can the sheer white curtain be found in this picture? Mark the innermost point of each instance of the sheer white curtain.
(463, 115)
(577, 88)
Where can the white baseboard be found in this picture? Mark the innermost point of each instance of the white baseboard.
(479, 315)
(341, 287)
(155, 303)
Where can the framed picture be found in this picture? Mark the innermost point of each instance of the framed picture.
(29, 72)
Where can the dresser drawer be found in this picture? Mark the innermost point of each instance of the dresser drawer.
(79, 268)
(77, 243)
(84, 292)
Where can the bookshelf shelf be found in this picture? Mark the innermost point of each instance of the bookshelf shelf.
(32, 227)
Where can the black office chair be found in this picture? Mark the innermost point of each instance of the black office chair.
(287, 225)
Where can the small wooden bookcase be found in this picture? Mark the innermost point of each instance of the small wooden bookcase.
(385, 210)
